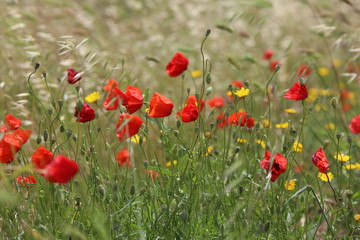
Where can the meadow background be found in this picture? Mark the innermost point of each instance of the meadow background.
(216, 189)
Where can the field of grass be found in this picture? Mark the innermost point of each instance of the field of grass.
(252, 132)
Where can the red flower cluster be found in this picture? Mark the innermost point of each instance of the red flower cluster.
(354, 126)
(73, 76)
(236, 119)
(320, 161)
(27, 181)
(60, 169)
(297, 92)
(11, 144)
(278, 167)
(11, 123)
(123, 157)
(86, 114)
(132, 99)
(160, 106)
(177, 65)
(127, 126)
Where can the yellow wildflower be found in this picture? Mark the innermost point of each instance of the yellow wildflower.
(326, 177)
(341, 157)
(318, 107)
(337, 63)
(229, 93)
(260, 142)
(282, 125)
(312, 94)
(209, 150)
(243, 92)
(297, 147)
(136, 139)
(171, 163)
(92, 97)
(330, 126)
(351, 166)
(357, 217)
(290, 185)
(196, 73)
(290, 110)
(323, 71)
(325, 92)
(266, 123)
(241, 140)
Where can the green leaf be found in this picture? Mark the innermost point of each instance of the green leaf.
(224, 27)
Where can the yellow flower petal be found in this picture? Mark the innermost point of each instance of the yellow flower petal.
(290, 185)
(282, 125)
(326, 177)
(342, 158)
(92, 97)
(136, 139)
(171, 163)
(243, 92)
(330, 126)
(297, 147)
(290, 110)
(196, 73)
(323, 71)
(260, 142)
(241, 140)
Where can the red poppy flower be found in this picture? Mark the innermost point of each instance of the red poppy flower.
(123, 157)
(153, 174)
(86, 114)
(303, 70)
(192, 100)
(127, 126)
(273, 64)
(73, 76)
(278, 167)
(297, 92)
(177, 65)
(188, 113)
(11, 123)
(320, 161)
(115, 97)
(135, 99)
(221, 120)
(237, 84)
(216, 102)
(268, 54)
(237, 118)
(27, 181)
(11, 144)
(160, 106)
(41, 158)
(354, 126)
(250, 122)
(110, 84)
(61, 170)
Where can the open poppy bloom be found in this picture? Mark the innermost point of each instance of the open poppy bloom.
(221, 120)
(303, 71)
(123, 157)
(115, 97)
(268, 54)
(110, 84)
(61, 170)
(238, 84)
(160, 106)
(354, 126)
(127, 126)
(297, 92)
(135, 99)
(177, 65)
(11, 123)
(320, 161)
(278, 167)
(41, 158)
(189, 113)
(86, 114)
(11, 144)
(28, 181)
(192, 100)
(237, 118)
(216, 102)
(73, 76)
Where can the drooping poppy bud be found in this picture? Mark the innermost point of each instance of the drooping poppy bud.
(273, 65)
(73, 76)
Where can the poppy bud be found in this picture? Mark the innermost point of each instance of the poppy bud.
(209, 91)
(132, 190)
(79, 105)
(38, 139)
(173, 205)
(188, 91)
(277, 67)
(44, 74)
(208, 78)
(74, 138)
(53, 103)
(62, 128)
(50, 111)
(302, 82)
(53, 141)
(101, 190)
(292, 131)
(207, 33)
(197, 96)
(338, 135)
(68, 133)
(237, 150)
(247, 84)
(349, 139)
(326, 143)
(37, 65)
(178, 123)
(46, 135)
(176, 133)
(212, 125)
(334, 103)
(61, 103)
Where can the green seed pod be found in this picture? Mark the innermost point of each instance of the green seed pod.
(338, 135)
(178, 123)
(74, 138)
(246, 82)
(209, 91)
(277, 67)
(101, 190)
(38, 139)
(326, 143)
(334, 103)
(46, 135)
(79, 105)
(60, 103)
(132, 190)
(50, 111)
(68, 133)
(208, 78)
(62, 128)
(37, 65)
